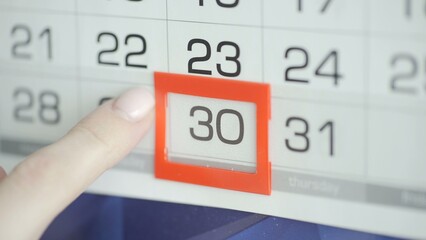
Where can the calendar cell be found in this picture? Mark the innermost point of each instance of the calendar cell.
(217, 11)
(314, 61)
(396, 149)
(64, 5)
(213, 50)
(94, 93)
(317, 137)
(348, 15)
(126, 8)
(212, 132)
(38, 42)
(398, 17)
(37, 110)
(119, 49)
(397, 71)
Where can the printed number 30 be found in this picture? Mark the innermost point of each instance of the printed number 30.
(207, 124)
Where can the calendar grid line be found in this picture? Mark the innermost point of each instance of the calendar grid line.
(366, 89)
(167, 36)
(78, 67)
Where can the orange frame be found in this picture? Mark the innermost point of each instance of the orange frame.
(257, 93)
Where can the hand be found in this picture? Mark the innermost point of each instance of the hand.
(40, 187)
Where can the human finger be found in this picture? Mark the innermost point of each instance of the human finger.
(47, 181)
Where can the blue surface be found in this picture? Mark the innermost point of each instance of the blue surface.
(115, 218)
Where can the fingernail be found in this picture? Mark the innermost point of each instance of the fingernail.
(134, 104)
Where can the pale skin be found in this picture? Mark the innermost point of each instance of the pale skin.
(47, 181)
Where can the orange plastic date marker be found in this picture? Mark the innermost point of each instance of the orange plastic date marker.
(257, 93)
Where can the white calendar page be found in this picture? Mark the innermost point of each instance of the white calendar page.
(347, 80)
